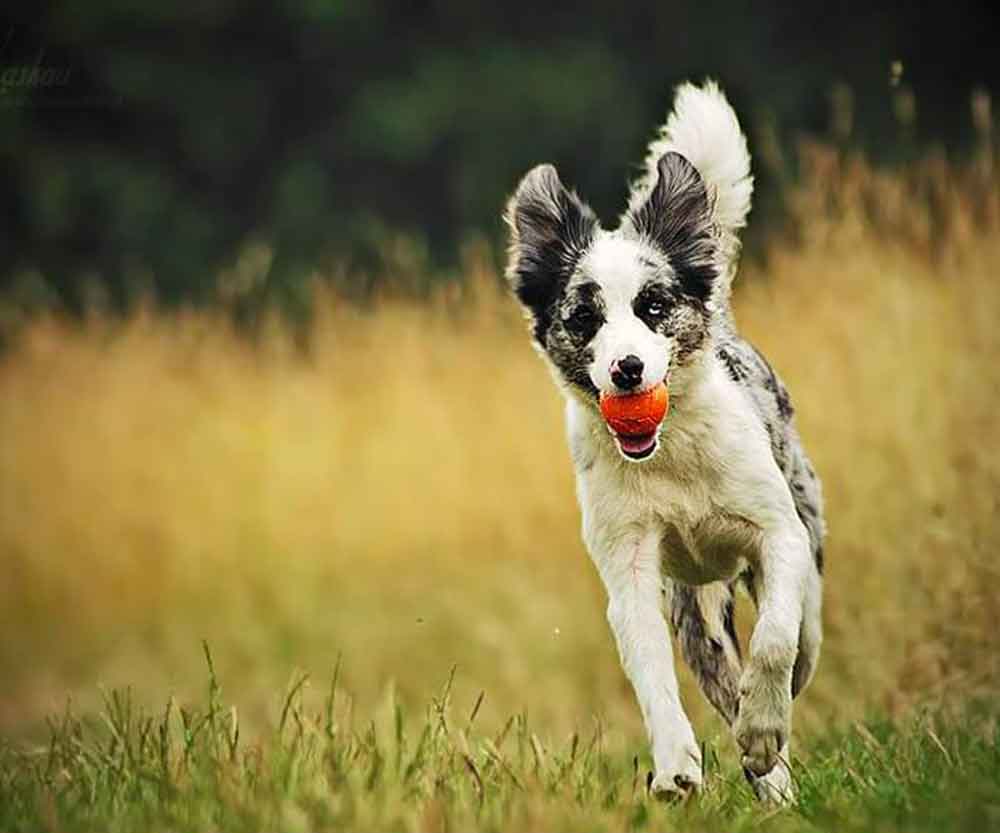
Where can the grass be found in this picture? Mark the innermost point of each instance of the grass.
(164, 482)
(191, 768)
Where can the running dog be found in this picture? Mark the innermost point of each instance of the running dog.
(722, 494)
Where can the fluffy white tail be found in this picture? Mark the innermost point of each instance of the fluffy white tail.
(704, 129)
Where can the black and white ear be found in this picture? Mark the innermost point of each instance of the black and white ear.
(550, 228)
(676, 216)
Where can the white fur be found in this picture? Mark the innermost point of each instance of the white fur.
(704, 129)
(710, 501)
(714, 464)
(632, 576)
(613, 263)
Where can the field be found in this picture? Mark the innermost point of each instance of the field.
(249, 585)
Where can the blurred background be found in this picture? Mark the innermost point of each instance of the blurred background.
(145, 148)
(221, 223)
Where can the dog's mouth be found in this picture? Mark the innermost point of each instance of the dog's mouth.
(636, 447)
(635, 419)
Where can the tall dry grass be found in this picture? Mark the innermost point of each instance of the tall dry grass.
(401, 492)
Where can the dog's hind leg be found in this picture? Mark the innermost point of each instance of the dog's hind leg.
(702, 620)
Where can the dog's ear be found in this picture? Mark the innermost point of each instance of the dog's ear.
(676, 216)
(550, 228)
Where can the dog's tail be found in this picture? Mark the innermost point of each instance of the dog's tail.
(703, 128)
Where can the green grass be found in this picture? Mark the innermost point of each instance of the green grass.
(191, 768)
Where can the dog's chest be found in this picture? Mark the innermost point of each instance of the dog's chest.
(713, 547)
(682, 505)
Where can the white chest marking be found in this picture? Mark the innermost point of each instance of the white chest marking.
(708, 494)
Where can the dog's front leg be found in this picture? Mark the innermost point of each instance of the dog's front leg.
(635, 585)
(763, 725)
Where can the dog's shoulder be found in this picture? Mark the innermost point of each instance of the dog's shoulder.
(747, 367)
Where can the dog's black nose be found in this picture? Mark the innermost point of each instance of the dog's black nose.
(627, 373)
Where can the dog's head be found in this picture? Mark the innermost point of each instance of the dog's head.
(616, 311)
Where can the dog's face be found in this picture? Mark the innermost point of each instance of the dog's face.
(615, 312)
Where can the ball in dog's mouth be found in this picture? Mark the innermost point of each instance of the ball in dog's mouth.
(634, 419)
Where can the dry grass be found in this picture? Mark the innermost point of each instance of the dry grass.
(402, 493)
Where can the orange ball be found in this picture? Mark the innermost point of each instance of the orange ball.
(638, 414)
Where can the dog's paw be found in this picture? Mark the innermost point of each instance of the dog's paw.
(680, 778)
(761, 747)
(762, 727)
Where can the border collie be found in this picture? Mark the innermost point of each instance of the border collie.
(723, 493)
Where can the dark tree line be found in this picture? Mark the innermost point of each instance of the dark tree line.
(177, 133)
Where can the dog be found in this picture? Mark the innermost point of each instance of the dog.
(723, 494)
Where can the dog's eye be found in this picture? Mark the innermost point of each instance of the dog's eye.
(652, 309)
(581, 318)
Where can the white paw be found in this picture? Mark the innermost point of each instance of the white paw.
(763, 725)
(678, 775)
